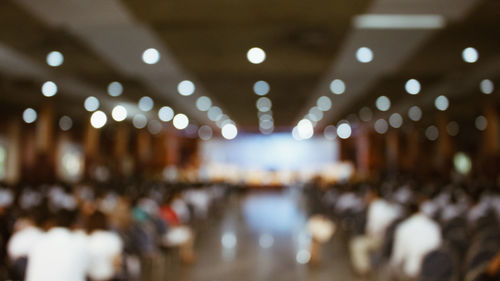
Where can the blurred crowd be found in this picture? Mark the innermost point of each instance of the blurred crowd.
(401, 229)
(413, 230)
(99, 232)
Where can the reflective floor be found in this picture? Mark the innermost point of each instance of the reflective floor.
(259, 237)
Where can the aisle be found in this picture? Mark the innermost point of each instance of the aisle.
(260, 237)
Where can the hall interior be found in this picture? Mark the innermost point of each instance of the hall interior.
(250, 140)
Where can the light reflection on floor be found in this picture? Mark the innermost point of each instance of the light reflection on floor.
(276, 214)
(260, 237)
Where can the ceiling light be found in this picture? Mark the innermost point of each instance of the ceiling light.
(266, 124)
(330, 132)
(261, 88)
(311, 118)
(396, 120)
(487, 87)
(432, 133)
(316, 113)
(65, 123)
(115, 89)
(181, 121)
(29, 115)
(229, 131)
(91, 104)
(151, 56)
(146, 103)
(186, 88)
(223, 120)
(214, 113)
(165, 113)
(383, 103)
(265, 117)
(256, 55)
(481, 123)
(441, 103)
(55, 59)
(265, 131)
(470, 55)
(381, 126)
(344, 131)
(295, 134)
(394, 21)
(49, 89)
(412, 87)
(203, 103)
(264, 104)
(119, 113)
(140, 121)
(364, 55)
(324, 103)
(337, 87)
(305, 129)
(154, 127)
(415, 113)
(98, 119)
(205, 132)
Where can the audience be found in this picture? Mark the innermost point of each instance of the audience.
(396, 229)
(381, 214)
(415, 237)
(95, 232)
(105, 249)
(58, 255)
(174, 212)
(409, 230)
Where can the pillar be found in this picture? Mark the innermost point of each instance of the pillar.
(13, 161)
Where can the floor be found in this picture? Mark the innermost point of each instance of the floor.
(260, 237)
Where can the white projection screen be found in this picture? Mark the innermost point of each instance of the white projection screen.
(274, 152)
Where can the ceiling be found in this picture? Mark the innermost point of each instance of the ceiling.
(308, 43)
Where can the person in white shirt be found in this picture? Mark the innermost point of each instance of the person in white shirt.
(348, 201)
(321, 230)
(455, 208)
(27, 233)
(105, 249)
(478, 209)
(414, 238)
(200, 200)
(381, 213)
(181, 208)
(58, 255)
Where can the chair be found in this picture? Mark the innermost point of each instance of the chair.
(438, 265)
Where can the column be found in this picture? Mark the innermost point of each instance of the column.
(45, 146)
(91, 148)
(13, 161)
(392, 151)
(490, 156)
(444, 147)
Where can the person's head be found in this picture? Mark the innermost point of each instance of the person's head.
(170, 197)
(371, 195)
(413, 208)
(475, 196)
(96, 221)
(39, 215)
(64, 218)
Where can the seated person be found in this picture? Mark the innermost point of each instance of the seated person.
(178, 235)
